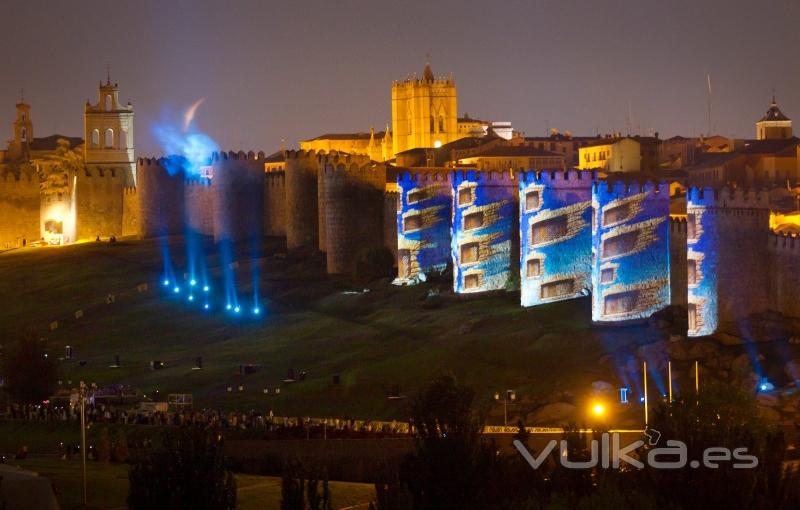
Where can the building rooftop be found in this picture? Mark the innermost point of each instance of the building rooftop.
(771, 146)
(348, 136)
(499, 151)
(773, 113)
(50, 143)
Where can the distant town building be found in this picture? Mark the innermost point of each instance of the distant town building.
(620, 154)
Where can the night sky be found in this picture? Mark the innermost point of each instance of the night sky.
(294, 70)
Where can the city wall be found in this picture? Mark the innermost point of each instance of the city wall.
(19, 208)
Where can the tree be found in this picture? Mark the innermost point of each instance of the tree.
(30, 375)
(450, 463)
(373, 264)
(187, 471)
(292, 487)
(104, 446)
(722, 416)
(120, 449)
(54, 174)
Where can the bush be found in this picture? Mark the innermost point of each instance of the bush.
(30, 375)
(188, 471)
(373, 264)
(104, 446)
(120, 449)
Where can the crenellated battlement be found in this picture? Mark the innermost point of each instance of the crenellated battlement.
(237, 155)
(727, 198)
(275, 179)
(623, 188)
(485, 178)
(414, 81)
(8, 177)
(300, 155)
(677, 225)
(778, 242)
(410, 179)
(560, 178)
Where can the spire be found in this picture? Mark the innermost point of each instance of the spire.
(21, 96)
(774, 103)
(427, 74)
(108, 74)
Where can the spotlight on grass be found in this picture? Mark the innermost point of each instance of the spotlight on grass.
(256, 311)
(205, 288)
(191, 298)
(206, 306)
(228, 306)
(176, 290)
(237, 309)
(193, 282)
(166, 283)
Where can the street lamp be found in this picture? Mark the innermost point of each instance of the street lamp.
(82, 402)
(509, 398)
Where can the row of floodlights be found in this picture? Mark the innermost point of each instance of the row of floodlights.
(207, 306)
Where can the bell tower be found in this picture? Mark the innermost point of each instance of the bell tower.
(108, 131)
(774, 124)
(23, 132)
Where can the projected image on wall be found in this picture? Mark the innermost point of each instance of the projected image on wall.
(555, 236)
(484, 229)
(423, 225)
(701, 260)
(630, 251)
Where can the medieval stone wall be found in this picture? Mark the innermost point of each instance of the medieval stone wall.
(302, 213)
(238, 185)
(630, 250)
(159, 193)
(353, 208)
(424, 222)
(199, 205)
(727, 234)
(555, 209)
(19, 208)
(99, 201)
(485, 244)
(275, 204)
(784, 264)
(391, 201)
(677, 261)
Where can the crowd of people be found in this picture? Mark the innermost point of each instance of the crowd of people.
(250, 423)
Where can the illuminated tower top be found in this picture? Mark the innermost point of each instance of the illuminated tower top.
(774, 124)
(424, 112)
(108, 128)
(23, 132)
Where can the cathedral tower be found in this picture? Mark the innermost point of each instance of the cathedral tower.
(424, 112)
(774, 124)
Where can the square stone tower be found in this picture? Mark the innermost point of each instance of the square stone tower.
(110, 165)
(424, 112)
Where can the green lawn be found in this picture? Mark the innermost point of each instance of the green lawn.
(108, 486)
(375, 340)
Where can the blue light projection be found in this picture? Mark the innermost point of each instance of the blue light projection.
(630, 250)
(485, 243)
(555, 210)
(702, 260)
(424, 220)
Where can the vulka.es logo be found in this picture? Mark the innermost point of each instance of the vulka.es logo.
(608, 453)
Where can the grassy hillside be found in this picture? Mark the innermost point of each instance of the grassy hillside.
(385, 337)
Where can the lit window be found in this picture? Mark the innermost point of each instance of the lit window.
(473, 220)
(531, 200)
(464, 196)
(534, 268)
(469, 253)
(412, 223)
(548, 230)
